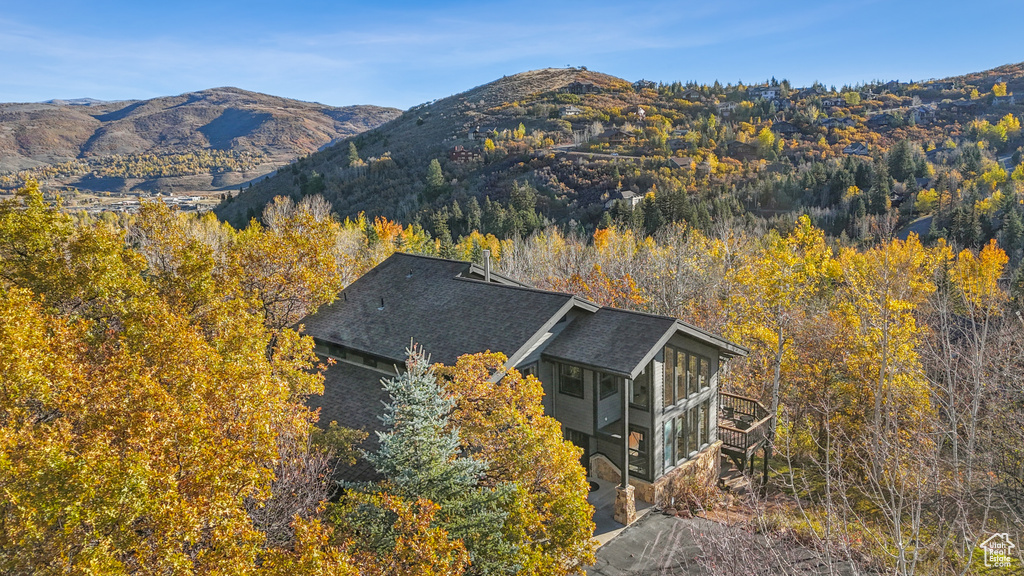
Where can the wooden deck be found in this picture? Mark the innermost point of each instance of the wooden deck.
(744, 426)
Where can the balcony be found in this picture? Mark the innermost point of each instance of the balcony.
(744, 426)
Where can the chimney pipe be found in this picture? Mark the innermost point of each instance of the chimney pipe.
(487, 265)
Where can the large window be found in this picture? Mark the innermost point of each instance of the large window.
(609, 386)
(705, 422)
(570, 380)
(685, 375)
(638, 451)
(639, 394)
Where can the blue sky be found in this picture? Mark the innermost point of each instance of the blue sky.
(401, 53)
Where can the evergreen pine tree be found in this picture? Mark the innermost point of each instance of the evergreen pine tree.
(419, 458)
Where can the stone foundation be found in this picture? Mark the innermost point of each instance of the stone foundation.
(625, 506)
(704, 468)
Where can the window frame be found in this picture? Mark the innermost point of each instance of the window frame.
(562, 367)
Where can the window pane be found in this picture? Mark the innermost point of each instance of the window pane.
(692, 372)
(641, 388)
(669, 442)
(609, 386)
(680, 375)
(570, 380)
(705, 373)
(705, 421)
(693, 431)
(638, 451)
(670, 359)
(681, 449)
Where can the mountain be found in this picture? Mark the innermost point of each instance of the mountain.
(395, 156)
(581, 149)
(72, 142)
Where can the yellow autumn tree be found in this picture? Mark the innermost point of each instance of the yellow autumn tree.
(500, 418)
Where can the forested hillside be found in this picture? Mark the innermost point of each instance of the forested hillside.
(220, 137)
(561, 145)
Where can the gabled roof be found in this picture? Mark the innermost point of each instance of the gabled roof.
(428, 300)
(622, 342)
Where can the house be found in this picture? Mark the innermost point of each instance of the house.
(461, 156)
(743, 150)
(833, 101)
(881, 120)
(577, 87)
(639, 393)
(680, 132)
(856, 149)
(726, 108)
(785, 128)
(961, 106)
(615, 136)
(627, 197)
(640, 113)
(782, 104)
(684, 162)
(479, 133)
(570, 110)
(923, 114)
(763, 92)
(692, 94)
(1004, 100)
(644, 85)
(678, 144)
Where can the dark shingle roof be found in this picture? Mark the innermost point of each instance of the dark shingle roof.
(610, 339)
(620, 341)
(353, 397)
(426, 302)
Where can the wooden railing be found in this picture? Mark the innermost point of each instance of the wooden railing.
(749, 425)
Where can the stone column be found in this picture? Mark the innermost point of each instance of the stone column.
(625, 505)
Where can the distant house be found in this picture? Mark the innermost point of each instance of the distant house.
(638, 393)
(685, 162)
(679, 132)
(626, 197)
(692, 94)
(923, 114)
(479, 133)
(881, 120)
(460, 155)
(762, 92)
(1004, 100)
(893, 85)
(856, 149)
(833, 101)
(616, 136)
(644, 84)
(640, 112)
(743, 150)
(961, 106)
(782, 104)
(785, 128)
(566, 111)
(726, 108)
(678, 144)
(577, 87)
(810, 92)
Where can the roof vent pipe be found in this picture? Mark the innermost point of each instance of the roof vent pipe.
(487, 265)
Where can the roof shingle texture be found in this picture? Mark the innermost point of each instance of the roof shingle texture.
(425, 302)
(611, 339)
(354, 398)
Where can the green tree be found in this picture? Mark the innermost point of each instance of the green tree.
(419, 457)
(435, 177)
(353, 155)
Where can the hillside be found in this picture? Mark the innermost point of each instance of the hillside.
(579, 148)
(87, 143)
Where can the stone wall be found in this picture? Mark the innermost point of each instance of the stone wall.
(704, 468)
